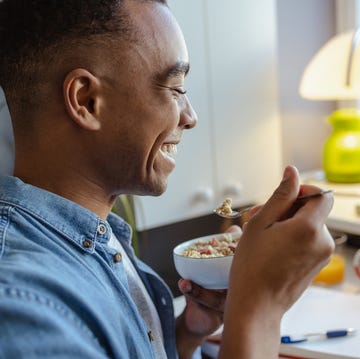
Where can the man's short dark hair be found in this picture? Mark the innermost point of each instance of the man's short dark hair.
(33, 33)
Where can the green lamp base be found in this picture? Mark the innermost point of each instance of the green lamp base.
(341, 157)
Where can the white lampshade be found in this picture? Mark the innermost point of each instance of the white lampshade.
(334, 72)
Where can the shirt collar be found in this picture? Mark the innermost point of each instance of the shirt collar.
(78, 224)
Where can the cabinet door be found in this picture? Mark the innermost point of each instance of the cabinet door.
(235, 148)
(243, 54)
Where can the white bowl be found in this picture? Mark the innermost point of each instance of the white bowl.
(211, 273)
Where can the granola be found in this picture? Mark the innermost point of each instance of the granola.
(215, 247)
(225, 207)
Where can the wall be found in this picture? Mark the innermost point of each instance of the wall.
(303, 27)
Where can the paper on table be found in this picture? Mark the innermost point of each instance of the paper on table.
(321, 309)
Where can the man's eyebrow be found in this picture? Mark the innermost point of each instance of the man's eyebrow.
(178, 69)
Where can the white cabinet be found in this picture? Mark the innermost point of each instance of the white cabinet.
(235, 148)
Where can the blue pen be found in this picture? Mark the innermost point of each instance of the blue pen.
(288, 339)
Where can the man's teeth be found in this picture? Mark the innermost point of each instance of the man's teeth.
(169, 149)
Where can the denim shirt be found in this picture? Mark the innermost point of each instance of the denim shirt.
(63, 291)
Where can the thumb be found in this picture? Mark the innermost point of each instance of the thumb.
(281, 201)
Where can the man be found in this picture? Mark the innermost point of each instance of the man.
(96, 95)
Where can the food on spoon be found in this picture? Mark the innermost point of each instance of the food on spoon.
(225, 207)
(225, 246)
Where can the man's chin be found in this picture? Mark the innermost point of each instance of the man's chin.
(158, 191)
(154, 189)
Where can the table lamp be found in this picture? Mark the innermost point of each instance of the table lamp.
(334, 74)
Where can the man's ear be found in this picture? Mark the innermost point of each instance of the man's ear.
(81, 96)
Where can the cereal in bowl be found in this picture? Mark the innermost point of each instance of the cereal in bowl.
(224, 246)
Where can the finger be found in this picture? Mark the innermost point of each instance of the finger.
(316, 209)
(212, 299)
(306, 189)
(281, 200)
(325, 248)
(254, 210)
(234, 229)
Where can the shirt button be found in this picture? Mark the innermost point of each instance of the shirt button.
(101, 229)
(151, 336)
(117, 257)
(87, 243)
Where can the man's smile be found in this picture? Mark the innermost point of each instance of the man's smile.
(169, 149)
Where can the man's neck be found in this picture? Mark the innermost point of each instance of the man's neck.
(78, 189)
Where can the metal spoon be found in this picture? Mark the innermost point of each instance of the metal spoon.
(237, 214)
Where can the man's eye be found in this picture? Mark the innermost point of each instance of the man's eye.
(178, 90)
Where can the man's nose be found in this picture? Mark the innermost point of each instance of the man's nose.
(189, 117)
